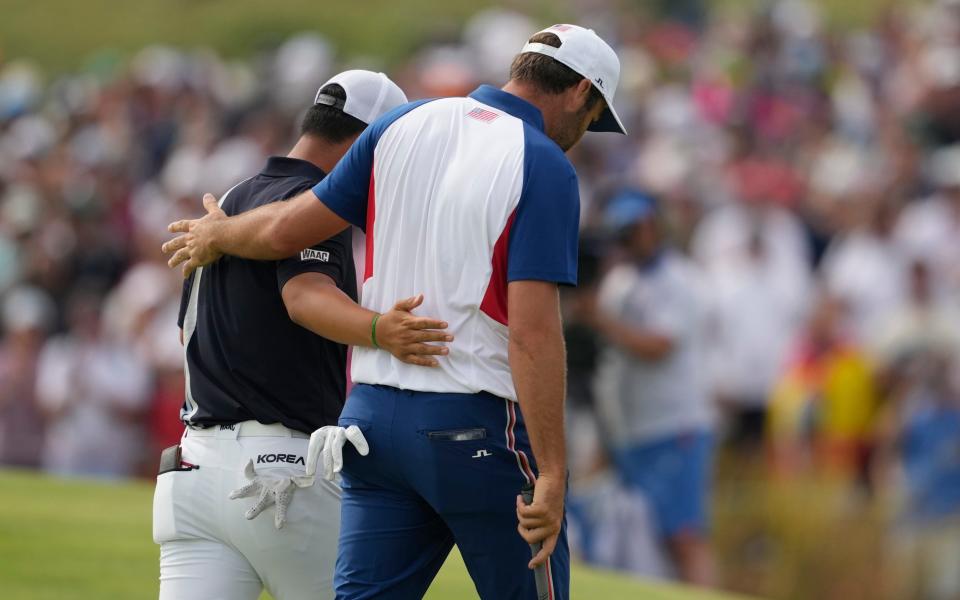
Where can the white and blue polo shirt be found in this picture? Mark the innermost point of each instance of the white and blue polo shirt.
(458, 197)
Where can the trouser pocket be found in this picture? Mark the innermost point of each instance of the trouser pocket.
(164, 515)
(457, 435)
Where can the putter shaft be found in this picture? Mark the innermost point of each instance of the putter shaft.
(540, 572)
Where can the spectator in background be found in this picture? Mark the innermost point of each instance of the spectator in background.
(823, 405)
(757, 260)
(927, 441)
(920, 433)
(613, 527)
(865, 268)
(93, 393)
(925, 323)
(725, 237)
(930, 228)
(754, 312)
(584, 449)
(27, 316)
(166, 400)
(651, 393)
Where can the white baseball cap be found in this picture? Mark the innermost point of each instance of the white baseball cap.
(583, 51)
(369, 94)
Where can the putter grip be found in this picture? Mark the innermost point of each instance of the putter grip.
(540, 572)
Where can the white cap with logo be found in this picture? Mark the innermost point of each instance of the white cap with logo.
(583, 51)
(369, 94)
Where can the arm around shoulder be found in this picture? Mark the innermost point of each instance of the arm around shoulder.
(299, 223)
(270, 232)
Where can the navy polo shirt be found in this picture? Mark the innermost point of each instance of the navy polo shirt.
(245, 358)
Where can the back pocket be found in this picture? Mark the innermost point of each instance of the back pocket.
(457, 435)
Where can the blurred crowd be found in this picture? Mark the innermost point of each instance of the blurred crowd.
(770, 262)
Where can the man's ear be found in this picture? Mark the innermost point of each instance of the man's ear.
(584, 86)
(577, 96)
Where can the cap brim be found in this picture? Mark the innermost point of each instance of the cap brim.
(609, 121)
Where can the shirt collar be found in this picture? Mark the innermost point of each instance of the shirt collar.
(507, 102)
(284, 166)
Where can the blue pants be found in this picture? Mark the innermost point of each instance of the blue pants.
(674, 475)
(442, 469)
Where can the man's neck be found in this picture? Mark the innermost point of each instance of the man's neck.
(546, 103)
(531, 95)
(318, 151)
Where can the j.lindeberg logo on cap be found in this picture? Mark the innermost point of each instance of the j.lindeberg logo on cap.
(599, 81)
(311, 254)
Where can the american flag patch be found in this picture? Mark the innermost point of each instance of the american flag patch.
(482, 114)
(561, 27)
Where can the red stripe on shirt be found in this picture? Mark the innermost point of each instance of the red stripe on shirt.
(494, 303)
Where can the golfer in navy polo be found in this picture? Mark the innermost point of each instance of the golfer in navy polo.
(260, 378)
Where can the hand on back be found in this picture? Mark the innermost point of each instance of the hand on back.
(408, 337)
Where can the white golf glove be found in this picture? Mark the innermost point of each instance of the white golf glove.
(326, 448)
(270, 489)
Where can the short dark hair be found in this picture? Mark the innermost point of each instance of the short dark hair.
(548, 75)
(330, 122)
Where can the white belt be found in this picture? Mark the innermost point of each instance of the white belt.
(245, 429)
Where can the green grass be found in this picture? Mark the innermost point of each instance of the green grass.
(62, 34)
(66, 34)
(76, 540)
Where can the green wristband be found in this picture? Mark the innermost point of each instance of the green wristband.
(373, 331)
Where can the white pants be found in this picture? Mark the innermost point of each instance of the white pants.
(210, 551)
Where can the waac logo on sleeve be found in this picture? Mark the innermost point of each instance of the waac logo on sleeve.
(311, 254)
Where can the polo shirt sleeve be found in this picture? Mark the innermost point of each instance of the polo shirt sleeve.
(346, 189)
(545, 232)
(329, 258)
